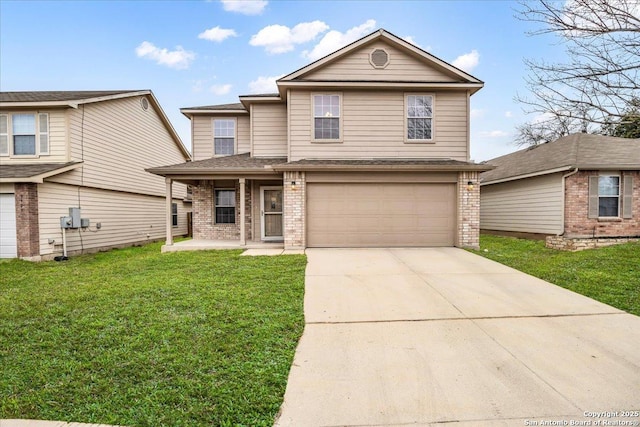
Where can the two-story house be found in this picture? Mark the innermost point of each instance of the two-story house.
(368, 146)
(87, 150)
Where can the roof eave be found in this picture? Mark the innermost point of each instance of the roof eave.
(472, 87)
(190, 112)
(381, 168)
(72, 103)
(167, 172)
(528, 175)
(39, 178)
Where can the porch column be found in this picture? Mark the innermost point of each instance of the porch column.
(169, 222)
(243, 237)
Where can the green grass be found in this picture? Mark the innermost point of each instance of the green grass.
(135, 337)
(610, 275)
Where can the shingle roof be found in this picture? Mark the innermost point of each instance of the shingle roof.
(20, 171)
(53, 96)
(574, 151)
(238, 162)
(383, 164)
(235, 106)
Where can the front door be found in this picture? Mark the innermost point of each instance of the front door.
(271, 213)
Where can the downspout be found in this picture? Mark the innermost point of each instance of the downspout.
(564, 177)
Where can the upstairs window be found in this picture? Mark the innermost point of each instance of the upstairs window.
(419, 109)
(326, 117)
(224, 137)
(24, 134)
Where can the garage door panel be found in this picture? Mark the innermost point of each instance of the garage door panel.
(8, 238)
(380, 214)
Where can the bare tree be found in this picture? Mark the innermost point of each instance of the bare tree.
(601, 77)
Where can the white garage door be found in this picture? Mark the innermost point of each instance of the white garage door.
(8, 241)
(379, 215)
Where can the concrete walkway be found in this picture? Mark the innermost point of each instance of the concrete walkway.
(427, 337)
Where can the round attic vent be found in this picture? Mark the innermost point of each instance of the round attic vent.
(379, 58)
(144, 103)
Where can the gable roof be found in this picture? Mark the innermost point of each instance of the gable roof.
(463, 79)
(582, 151)
(63, 98)
(72, 99)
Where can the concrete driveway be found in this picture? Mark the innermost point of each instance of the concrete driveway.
(433, 336)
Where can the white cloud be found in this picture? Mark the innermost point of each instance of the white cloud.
(411, 40)
(476, 113)
(468, 61)
(281, 39)
(246, 7)
(494, 134)
(508, 114)
(217, 34)
(264, 84)
(220, 89)
(334, 40)
(179, 59)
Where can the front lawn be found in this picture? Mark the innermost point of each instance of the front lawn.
(610, 275)
(134, 337)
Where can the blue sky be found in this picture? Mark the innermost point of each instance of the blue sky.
(208, 52)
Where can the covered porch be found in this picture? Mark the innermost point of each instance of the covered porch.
(237, 202)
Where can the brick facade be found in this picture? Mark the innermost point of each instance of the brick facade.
(27, 226)
(468, 210)
(577, 222)
(578, 244)
(294, 210)
(204, 226)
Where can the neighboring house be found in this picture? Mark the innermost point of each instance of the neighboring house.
(368, 146)
(580, 186)
(88, 149)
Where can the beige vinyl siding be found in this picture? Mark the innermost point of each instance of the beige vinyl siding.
(244, 139)
(532, 205)
(402, 67)
(117, 140)
(57, 139)
(269, 130)
(6, 188)
(373, 127)
(125, 218)
(202, 138)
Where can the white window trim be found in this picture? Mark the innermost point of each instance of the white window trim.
(619, 196)
(6, 134)
(313, 117)
(235, 206)
(405, 115)
(235, 135)
(38, 133)
(175, 215)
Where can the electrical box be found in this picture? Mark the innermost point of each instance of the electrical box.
(65, 222)
(73, 220)
(74, 213)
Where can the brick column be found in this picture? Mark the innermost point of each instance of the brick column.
(294, 210)
(468, 210)
(202, 207)
(27, 226)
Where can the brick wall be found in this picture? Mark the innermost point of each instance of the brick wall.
(204, 226)
(577, 222)
(579, 244)
(294, 210)
(27, 227)
(468, 211)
